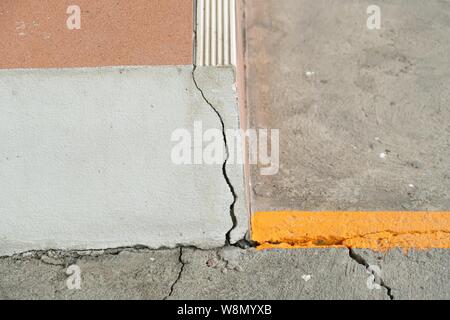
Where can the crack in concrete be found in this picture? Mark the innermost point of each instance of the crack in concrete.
(72, 255)
(180, 273)
(75, 254)
(378, 237)
(361, 261)
(224, 166)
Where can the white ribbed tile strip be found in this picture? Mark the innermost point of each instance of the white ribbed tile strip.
(216, 33)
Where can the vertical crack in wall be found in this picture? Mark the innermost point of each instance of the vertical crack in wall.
(224, 166)
(360, 260)
(180, 273)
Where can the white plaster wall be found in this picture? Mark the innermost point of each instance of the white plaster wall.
(85, 161)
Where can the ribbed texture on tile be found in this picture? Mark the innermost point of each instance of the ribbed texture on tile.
(216, 33)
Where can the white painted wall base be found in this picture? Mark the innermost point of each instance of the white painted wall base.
(85, 160)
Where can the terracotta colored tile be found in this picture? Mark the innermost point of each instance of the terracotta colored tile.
(34, 33)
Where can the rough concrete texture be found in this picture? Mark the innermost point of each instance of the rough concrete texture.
(232, 273)
(227, 273)
(128, 274)
(412, 275)
(85, 159)
(363, 115)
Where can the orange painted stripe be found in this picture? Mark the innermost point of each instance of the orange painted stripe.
(35, 34)
(364, 230)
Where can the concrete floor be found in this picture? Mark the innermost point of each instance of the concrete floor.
(227, 273)
(363, 114)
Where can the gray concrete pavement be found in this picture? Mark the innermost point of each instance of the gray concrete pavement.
(116, 274)
(226, 273)
(296, 274)
(363, 114)
(363, 118)
(415, 275)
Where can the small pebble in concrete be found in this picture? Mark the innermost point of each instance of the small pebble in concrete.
(306, 277)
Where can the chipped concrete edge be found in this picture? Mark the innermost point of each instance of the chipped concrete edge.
(64, 259)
